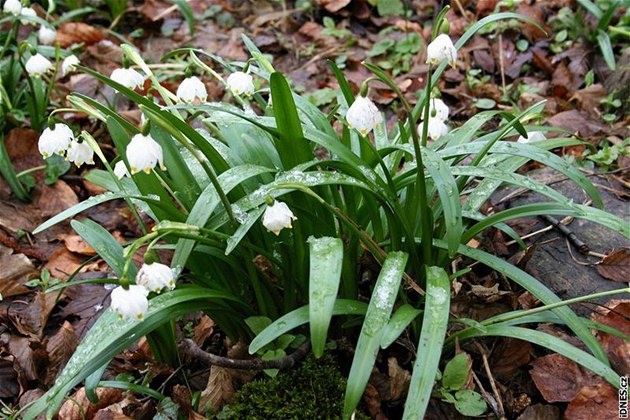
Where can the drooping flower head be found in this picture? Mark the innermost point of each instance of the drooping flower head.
(46, 35)
(129, 78)
(532, 137)
(440, 49)
(69, 64)
(130, 303)
(438, 109)
(13, 7)
(241, 83)
(144, 153)
(363, 115)
(38, 65)
(436, 129)
(277, 217)
(30, 12)
(191, 90)
(55, 140)
(80, 153)
(156, 277)
(120, 170)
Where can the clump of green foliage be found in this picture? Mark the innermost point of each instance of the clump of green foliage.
(314, 390)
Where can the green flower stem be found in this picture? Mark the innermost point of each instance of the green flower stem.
(91, 141)
(520, 314)
(8, 173)
(10, 36)
(219, 78)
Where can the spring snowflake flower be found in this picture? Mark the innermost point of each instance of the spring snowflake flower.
(80, 153)
(129, 78)
(55, 140)
(120, 170)
(28, 11)
(38, 65)
(436, 129)
(241, 83)
(69, 64)
(130, 303)
(46, 35)
(277, 217)
(192, 89)
(438, 109)
(532, 137)
(13, 7)
(143, 153)
(363, 115)
(155, 277)
(441, 49)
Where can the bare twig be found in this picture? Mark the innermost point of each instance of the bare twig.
(497, 395)
(191, 349)
(568, 233)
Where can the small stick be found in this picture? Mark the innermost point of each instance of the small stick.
(191, 349)
(486, 366)
(577, 242)
(486, 395)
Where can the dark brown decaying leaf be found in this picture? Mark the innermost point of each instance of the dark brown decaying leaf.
(29, 356)
(576, 122)
(60, 348)
(62, 263)
(9, 386)
(15, 270)
(203, 330)
(559, 379)
(618, 349)
(541, 411)
(399, 379)
(332, 6)
(55, 198)
(508, 356)
(32, 319)
(616, 266)
(598, 401)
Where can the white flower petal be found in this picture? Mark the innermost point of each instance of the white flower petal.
(28, 11)
(155, 277)
(277, 217)
(363, 115)
(13, 7)
(130, 303)
(120, 170)
(241, 83)
(46, 35)
(38, 65)
(441, 49)
(144, 153)
(69, 64)
(436, 129)
(80, 153)
(439, 108)
(191, 90)
(55, 140)
(532, 137)
(129, 78)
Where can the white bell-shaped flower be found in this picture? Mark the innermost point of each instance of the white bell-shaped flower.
(192, 90)
(130, 303)
(241, 83)
(120, 170)
(363, 115)
(55, 140)
(155, 277)
(69, 64)
(80, 153)
(38, 65)
(46, 35)
(143, 153)
(436, 129)
(438, 109)
(277, 217)
(129, 78)
(13, 7)
(28, 11)
(532, 137)
(441, 49)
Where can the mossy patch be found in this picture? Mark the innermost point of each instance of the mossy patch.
(314, 390)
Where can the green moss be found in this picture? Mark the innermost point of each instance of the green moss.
(314, 390)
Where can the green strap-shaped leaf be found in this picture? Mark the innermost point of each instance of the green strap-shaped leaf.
(434, 323)
(376, 319)
(326, 260)
(300, 316)
(400, 320)
(292, 146)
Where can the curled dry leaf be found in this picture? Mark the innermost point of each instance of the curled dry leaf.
(203, 330)
(62, 263)
(69, 33)
(219, 389)
(616, 266)
(76, 244)
(60, 348)
(78, 406)
(9, 386)
(15, 270)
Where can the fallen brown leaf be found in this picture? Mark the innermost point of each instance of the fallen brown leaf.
(219, 389)
(29, 357)
(15, 270)
(509, 356)
(594, 402)
(60, 348)
(203, 330)
(69, 33)
(541, 411)
(9, 386)
(76, 244)
(399, 379)
(32, 319)
(332, 6)
(618, 349)
(55, 198)
(62, 263)
(615, 266)
(78, 407)
(576, 122)
(560, 379)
